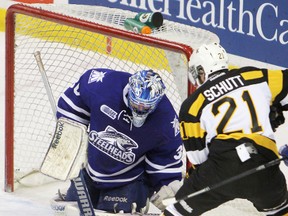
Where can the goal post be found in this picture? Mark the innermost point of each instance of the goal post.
(72, 39)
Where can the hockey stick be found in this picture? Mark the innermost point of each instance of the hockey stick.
(84, 200)
(46, 82)
(170, 201)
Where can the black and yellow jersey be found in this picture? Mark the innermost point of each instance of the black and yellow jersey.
(233, 105)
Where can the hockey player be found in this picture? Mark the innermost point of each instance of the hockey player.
(226, 130)
(134, 147)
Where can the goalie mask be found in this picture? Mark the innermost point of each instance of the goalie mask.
(146, 89)
(206, 60)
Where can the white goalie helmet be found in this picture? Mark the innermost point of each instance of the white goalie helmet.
(206, 60)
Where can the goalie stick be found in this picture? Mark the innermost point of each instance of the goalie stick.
(84, 200)
(170, 201)
(45, 81)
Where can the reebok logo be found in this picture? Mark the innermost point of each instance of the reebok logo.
(116, 199)
(58, 134)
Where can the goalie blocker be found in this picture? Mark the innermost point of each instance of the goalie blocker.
(67, 153)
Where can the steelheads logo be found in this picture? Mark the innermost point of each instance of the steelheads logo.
(115, 144)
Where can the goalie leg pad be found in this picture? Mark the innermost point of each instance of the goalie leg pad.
(112, 200)
(122, 199)
(72, 194)
(79, 191)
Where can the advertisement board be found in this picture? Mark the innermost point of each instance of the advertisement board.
(252, 29)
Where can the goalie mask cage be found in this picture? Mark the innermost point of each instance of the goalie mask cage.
(72, 39)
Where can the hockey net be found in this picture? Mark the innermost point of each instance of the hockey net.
(72, 39)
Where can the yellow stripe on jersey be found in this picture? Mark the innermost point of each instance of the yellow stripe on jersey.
(275, 82)
(252, 75)
(258, 139)
(196, 106)
(188, 130)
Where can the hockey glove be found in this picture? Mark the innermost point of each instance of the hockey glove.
(166, 191)
(283, 151)
(276, 117)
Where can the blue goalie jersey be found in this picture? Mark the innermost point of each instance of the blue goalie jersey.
(118, 152)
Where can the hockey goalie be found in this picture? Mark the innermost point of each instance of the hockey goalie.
(132, 153)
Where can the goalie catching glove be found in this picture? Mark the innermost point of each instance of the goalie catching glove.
(166, 191)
